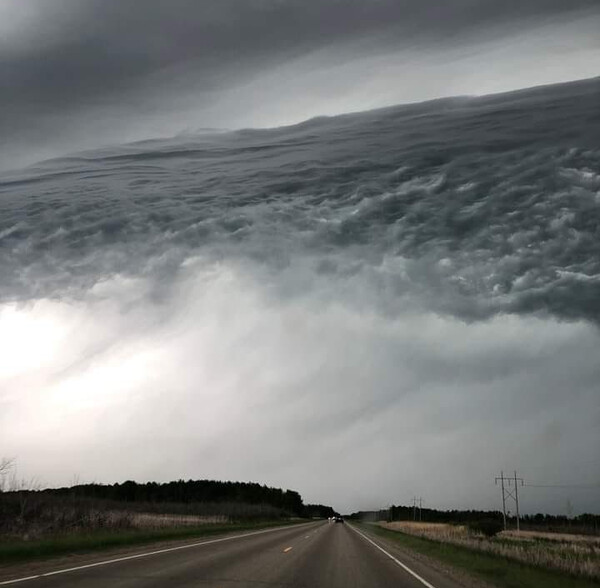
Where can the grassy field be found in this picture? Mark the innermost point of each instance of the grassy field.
(37, 525)
(509, 564)
(20, 551)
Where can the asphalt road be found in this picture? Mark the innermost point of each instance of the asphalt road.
(320, 554)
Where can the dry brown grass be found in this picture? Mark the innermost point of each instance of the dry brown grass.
(439, 531)
(36, 516)
(160, 521)
(533, 535)
(574, 554)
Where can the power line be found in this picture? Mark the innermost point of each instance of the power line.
(510, 491)
(562, 485)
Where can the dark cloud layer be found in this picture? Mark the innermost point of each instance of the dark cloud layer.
(76, 68)
(483, 205)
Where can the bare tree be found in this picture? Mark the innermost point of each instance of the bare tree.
(7, 465)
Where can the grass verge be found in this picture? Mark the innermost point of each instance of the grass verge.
(24, 551)
(495, 570)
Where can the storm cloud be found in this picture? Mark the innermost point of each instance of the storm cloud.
(360, 307)
(79, 74)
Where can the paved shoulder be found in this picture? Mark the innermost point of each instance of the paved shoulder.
(428, 572)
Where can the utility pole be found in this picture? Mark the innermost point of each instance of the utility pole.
(501, 478)
(417, 500)
(517, 499)
(509, 492)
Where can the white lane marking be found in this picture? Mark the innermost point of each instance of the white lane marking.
(287, 549)
(403, 566)
(147, 554)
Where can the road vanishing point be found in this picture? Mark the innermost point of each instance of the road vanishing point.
(310, 555)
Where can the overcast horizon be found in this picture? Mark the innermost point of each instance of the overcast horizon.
(363, 309)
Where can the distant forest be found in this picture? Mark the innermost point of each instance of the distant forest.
(84, 508)
(191, 492)
(583, 522)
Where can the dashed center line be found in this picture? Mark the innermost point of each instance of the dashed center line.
(287, 549)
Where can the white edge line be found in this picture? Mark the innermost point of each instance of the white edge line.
(147, 554)
(403, 566)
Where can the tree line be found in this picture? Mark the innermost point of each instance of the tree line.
(196, 491)
(186, 492)
(586, 521)
(236, 500)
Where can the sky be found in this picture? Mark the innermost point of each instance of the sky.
(78, 74)
(256, 317)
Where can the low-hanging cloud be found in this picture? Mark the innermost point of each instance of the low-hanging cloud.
(227, 379)
(408, 197)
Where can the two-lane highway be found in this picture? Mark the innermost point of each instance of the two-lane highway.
(313, 555)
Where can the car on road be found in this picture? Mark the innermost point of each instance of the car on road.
(338, 519)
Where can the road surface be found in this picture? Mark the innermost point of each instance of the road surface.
(313, 555)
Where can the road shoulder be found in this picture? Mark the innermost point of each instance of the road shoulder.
(436, 572)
